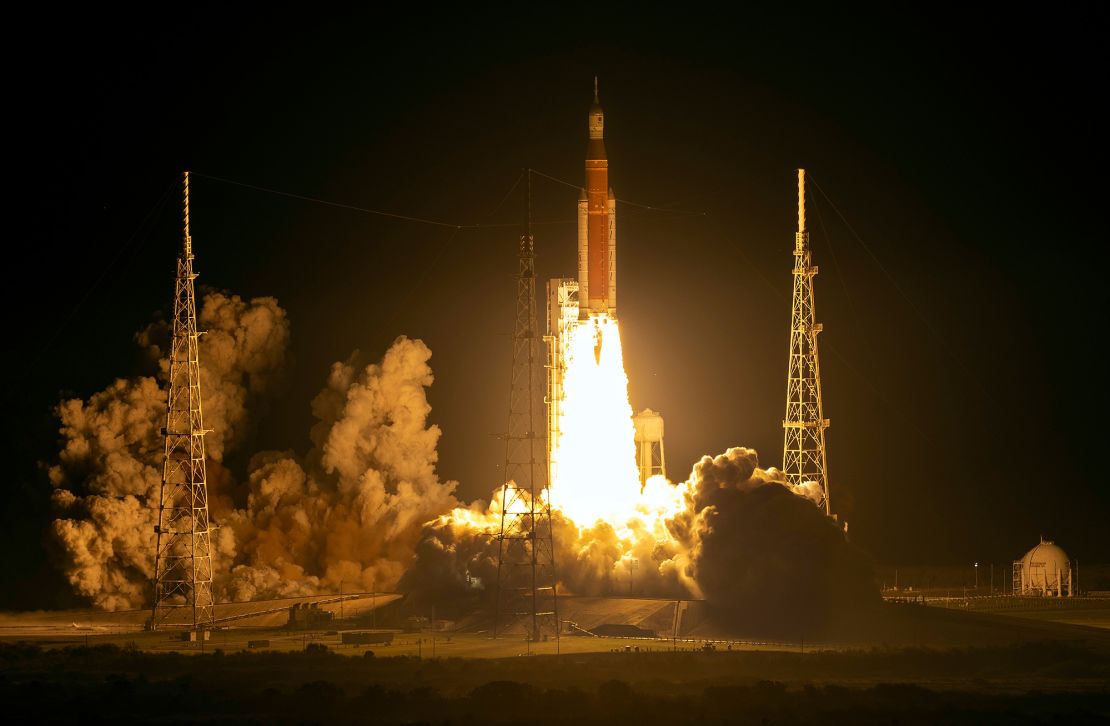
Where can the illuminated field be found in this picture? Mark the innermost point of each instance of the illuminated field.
(1089, 612)
(415, 645)
(1099, 618)
(893, 625)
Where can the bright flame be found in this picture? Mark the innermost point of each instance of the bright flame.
(610, 535)
(597, 476)
(618, 540)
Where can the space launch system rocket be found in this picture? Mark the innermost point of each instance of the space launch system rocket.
(597, 226)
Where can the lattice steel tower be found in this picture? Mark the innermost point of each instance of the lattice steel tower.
(183, 555)
(803, 449)
(526, 585)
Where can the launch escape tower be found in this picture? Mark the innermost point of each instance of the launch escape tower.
(803, 449)
(526, 584)
(183, 553)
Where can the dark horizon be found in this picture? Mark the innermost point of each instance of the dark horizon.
(964, 160)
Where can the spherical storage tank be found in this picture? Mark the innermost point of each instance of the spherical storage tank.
(1044, 570)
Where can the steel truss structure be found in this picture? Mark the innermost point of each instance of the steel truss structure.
(526, 583)
(183, 554)
(803, 450)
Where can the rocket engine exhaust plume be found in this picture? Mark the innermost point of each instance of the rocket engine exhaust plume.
(596, 476)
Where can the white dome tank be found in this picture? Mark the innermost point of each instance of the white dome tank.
(1044, 570)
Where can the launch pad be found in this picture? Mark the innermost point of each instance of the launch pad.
(251, 614)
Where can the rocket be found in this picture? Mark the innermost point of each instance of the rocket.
(597, 226)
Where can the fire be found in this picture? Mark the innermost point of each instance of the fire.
(597, 476)
(619, 537)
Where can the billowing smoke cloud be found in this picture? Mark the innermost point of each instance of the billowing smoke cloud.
(108, 471)
(455, 563)
(764, 556)
(456, 558)
(347, 514)
(244, 356)
(758, 550)
(350, 514)
(364, 508)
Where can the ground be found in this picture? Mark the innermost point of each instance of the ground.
(1027, 683)
(905, 662)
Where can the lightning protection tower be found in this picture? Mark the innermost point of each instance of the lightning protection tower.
(803, 449)
(526, 585)
(183, 553)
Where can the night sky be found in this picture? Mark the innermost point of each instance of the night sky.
(959, 310)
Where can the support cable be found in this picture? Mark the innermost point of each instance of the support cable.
(948, 347)
(382, 212)
(889, 276)
(650, 207)
(831, 346)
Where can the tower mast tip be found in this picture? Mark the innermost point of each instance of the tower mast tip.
(188, 240)
(801, 201)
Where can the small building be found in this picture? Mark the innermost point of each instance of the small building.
(1044, 571)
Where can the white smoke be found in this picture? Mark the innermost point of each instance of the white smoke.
(364, 505)
(348, 513)
(742, 538)
(243, 355)
(351, 513)
(109, 468)
(762, 554)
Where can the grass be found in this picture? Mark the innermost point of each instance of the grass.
(417, 645)
(1090, 612)
(1029, 683)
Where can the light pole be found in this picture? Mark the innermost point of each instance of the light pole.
(976, 578)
